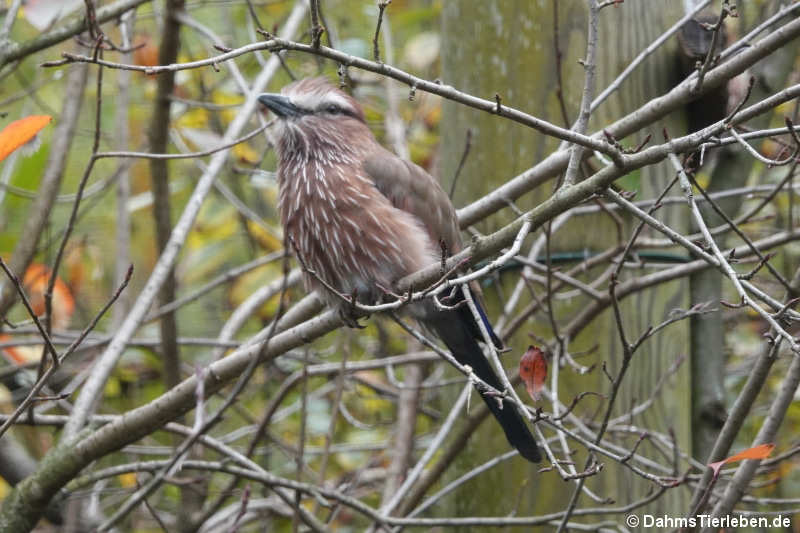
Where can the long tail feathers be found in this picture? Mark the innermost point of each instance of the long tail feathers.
(456, 329)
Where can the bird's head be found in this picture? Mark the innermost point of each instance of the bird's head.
(314, 115)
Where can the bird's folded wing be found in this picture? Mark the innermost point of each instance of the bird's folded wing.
(410, 188)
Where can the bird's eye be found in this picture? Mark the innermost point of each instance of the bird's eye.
(332, 108)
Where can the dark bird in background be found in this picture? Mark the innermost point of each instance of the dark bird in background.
(694, 41)
(362, 218)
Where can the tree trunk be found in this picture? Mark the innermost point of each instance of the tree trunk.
(510, 52)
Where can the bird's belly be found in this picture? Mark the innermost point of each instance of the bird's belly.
(356, 251)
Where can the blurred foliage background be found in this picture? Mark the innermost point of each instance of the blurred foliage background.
(226, 235)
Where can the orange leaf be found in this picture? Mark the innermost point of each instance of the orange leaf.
(761, 451)
(35, 282)
(21, 131)
(10, 352)
(147, 54)
(533, 371)
(19, 355)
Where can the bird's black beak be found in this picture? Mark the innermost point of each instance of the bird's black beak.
(280, 105)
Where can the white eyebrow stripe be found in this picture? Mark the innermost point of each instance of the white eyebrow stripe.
(336, 99)
(312, 100)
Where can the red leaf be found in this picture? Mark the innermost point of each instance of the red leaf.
(21, 131)
(533, 371)
(761, 451)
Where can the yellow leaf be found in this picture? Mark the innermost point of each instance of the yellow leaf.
(196, 118)
(245, 153)
(128, 480)
(20, 132)
(113, 388)
(269, 241)
(227, 99)
(703, 179)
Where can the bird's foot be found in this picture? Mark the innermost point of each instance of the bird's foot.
(349, 318)
(348, 312)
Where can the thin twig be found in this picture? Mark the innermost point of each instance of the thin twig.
(276, 44)
(765, 160)
(721, 260)
(44, 378)
(726, 11)
(42, 331)
(376, 52)
(589, 66)
(187, 155)
(558, 56)
(464, 155)
(316, 29)
(202, 427)
(106, 362)
(48, 295)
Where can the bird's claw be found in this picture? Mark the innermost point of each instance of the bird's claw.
(349, 319)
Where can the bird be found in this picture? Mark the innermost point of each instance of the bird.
(694, 43)
(360, 218)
